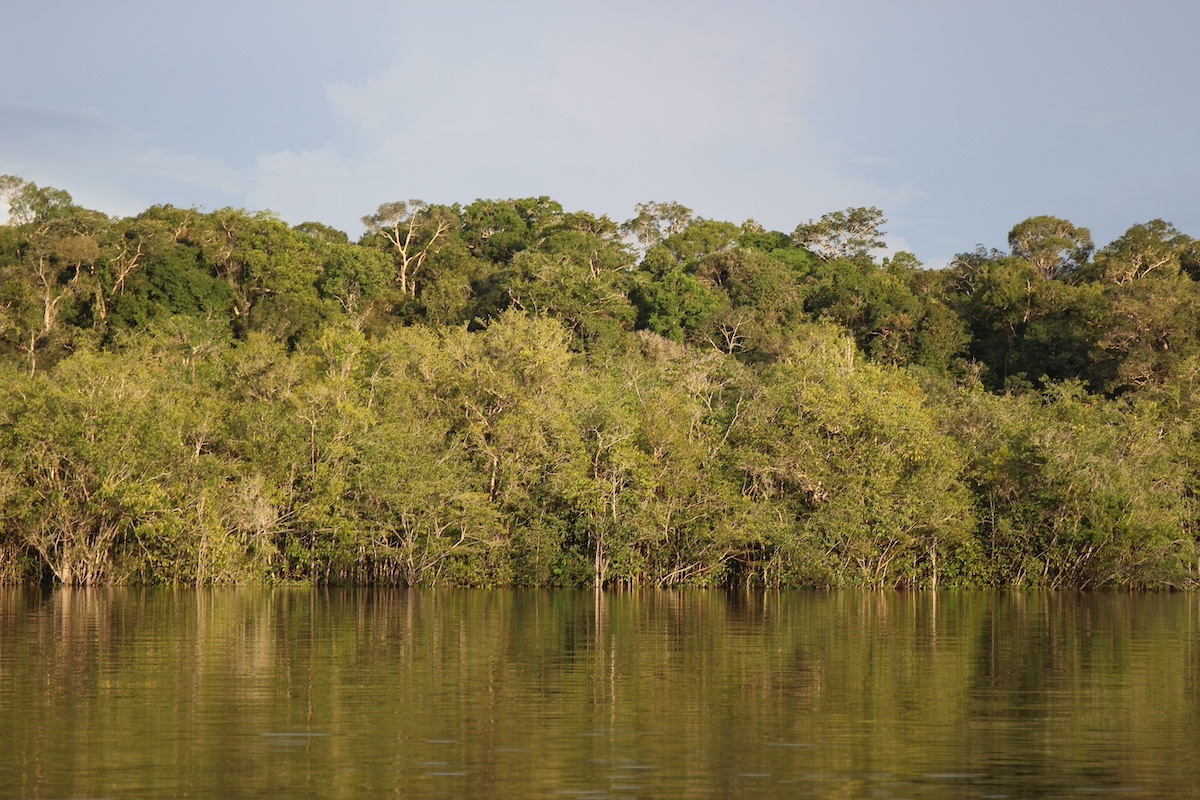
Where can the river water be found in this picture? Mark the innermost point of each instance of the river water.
(297, 692)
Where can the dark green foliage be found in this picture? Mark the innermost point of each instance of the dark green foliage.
(897, 316)
(175, 280)
(497, 230)
(1024, 328)
(673, 303)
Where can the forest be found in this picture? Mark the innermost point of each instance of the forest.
(508, 393)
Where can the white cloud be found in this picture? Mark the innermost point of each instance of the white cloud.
(599, 108)
(599, 112)
(779, 111)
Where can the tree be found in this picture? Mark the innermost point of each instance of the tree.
(414, 229)
(152, 270)
(1054, 247)
(893, 317)
(763, 302)
(672, 302)
(852, 453)
(854, 234)
(1148, 328)
(703, 237)
(272, 271)
(655, 222)
(755, 235)
(496, 230)
(356, 277)
(322, 232)
(29, 204)
(579, 273)
(55, 244)
(1154, 247)
(1076, 490)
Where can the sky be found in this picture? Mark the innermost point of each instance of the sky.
(957, 118)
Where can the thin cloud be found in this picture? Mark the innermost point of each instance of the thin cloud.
(599, 112)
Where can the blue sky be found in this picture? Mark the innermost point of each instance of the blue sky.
(958, 119)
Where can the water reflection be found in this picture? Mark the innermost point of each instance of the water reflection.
(316, 693)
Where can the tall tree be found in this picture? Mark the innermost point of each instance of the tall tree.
(655, 222)
(414, 230)
(854, 234)
(1054, 246)
(1154, 247)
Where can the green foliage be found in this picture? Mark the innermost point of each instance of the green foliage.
(655, 222)
(895, 319)
(30, 204)
(872, 489)
(499, 229)
(851, 234)
(1074, 490)
(673, 303)
(509, 393)
(174, 280)
(579, 274)
(114, 477)
(763, 301)
(357, 278)
(1053, 246)
(1150, 329)
(1023, 328)
(756, 236)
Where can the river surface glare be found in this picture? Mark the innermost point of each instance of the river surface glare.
(297, 692)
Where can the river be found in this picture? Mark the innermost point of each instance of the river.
(304, 692)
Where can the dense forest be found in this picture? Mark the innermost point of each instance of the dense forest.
(509, 393)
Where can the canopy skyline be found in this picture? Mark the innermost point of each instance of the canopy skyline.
(956, 121)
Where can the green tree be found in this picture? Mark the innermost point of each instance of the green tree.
(1076, 490)
(496, 230)
(579, 274)
(356, 277)
(271, 270)
(671, 301)
(1148, 329)
(1054, 246)
(1024, 328)
(655, 222)
(48, 275)
(413, 230)
(30, 204)
(1151, 248)
(873, 491)
(763, 302)
(894, 313)
(852, 234)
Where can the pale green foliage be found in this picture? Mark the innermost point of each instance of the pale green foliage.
(1054, 246)
(1075, 490)
(118, 481)
(874, 488)
(413, 230)
(29, 204)
(1151, 248)
(853, 233)
(655, 222)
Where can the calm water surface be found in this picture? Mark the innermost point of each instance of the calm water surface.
(313, 693)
